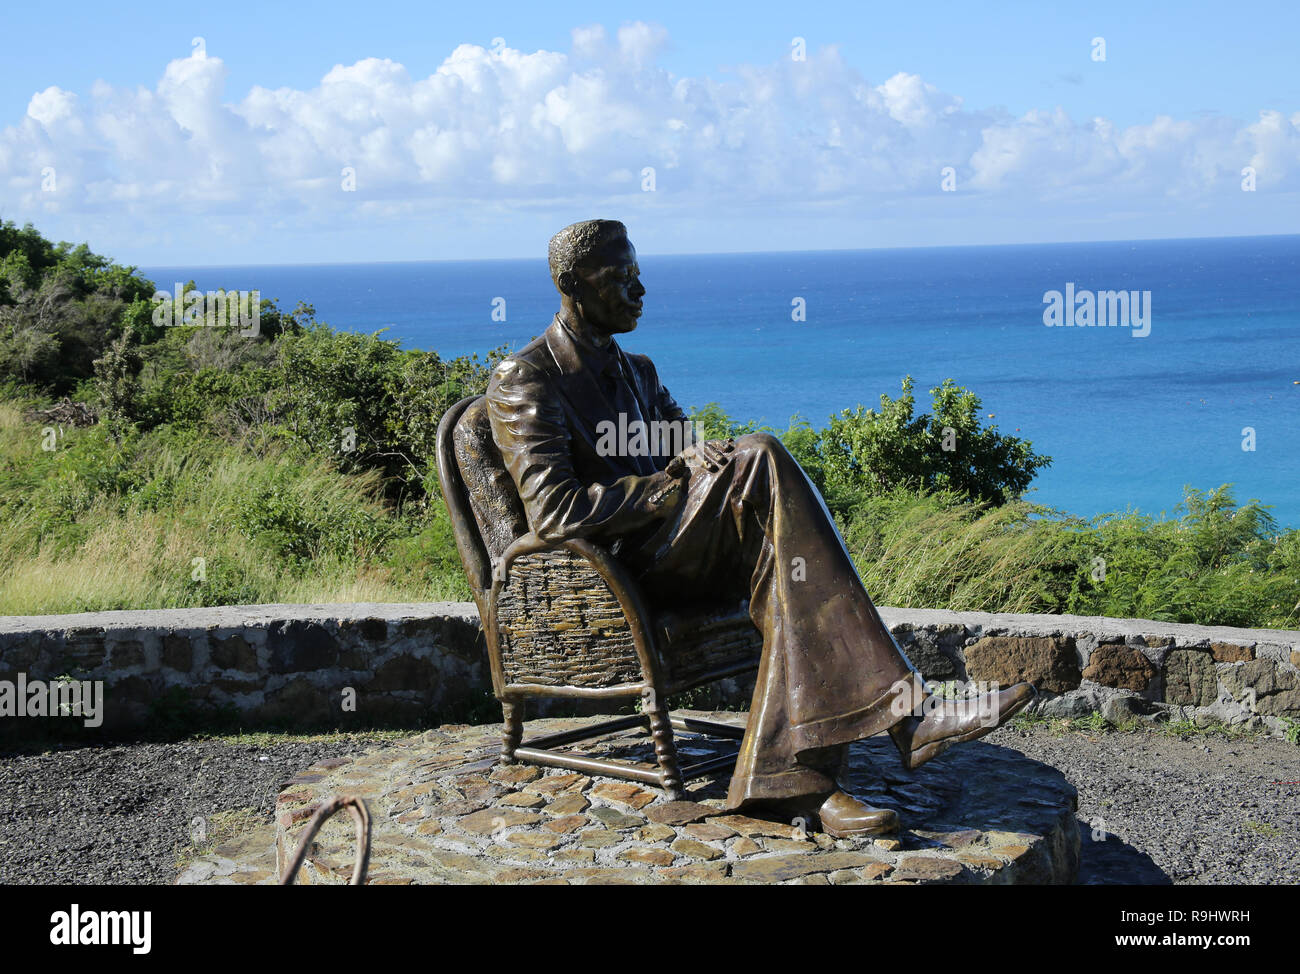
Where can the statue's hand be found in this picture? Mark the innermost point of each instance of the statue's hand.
(711, 455)
(666, 491)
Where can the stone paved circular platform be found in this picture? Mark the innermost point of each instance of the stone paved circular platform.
(445, 812)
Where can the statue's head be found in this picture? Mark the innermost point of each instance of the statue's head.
(593, 265)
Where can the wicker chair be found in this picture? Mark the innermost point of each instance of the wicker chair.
(565, 619)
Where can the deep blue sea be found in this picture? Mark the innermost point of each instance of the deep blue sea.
(1128, 421)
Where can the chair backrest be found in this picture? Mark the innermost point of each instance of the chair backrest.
(486, 513)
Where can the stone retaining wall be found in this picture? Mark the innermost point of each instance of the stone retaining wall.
(1122, 668)
(288, 664)
(270, 664)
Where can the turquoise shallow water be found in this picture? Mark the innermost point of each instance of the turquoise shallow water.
(1127, 420)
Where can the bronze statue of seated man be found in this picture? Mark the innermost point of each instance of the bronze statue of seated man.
(737, 517)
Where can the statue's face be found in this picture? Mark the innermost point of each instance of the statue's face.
(610, 294)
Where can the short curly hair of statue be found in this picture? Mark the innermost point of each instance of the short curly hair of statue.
(576, 244)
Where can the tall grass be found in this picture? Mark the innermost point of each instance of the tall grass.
(177, 518)
(936, 551)
(1215, 563)
(174, 520)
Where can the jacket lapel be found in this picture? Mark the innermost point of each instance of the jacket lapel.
(586, 400)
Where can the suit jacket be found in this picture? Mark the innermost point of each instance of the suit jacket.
(546, 403)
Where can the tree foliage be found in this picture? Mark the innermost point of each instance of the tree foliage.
(864, 453)
(869, 452)
(72, 320)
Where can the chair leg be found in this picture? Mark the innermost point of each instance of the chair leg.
(512, 730)
(661, 732)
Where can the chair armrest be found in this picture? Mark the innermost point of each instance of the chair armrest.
(598, 556)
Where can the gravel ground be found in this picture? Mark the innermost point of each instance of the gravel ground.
(1181, 810)
(117, 814)
(1195, 810)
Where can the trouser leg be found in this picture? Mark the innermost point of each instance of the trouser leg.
(829, 672)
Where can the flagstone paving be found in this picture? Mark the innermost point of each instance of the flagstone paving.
(445, 811)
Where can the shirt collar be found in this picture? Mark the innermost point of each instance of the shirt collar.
(599, 360)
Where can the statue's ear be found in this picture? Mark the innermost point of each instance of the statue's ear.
(567, 283)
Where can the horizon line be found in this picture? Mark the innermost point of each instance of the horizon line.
(730, 253)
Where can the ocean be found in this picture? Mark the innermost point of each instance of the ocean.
(1210, 394)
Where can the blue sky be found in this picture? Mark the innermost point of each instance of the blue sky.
(113, 128)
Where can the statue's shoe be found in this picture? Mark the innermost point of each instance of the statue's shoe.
(844, 817)
(921, 738)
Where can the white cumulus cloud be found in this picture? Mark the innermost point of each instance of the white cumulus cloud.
(500, 126)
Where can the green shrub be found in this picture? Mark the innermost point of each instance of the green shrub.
(865, 452)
